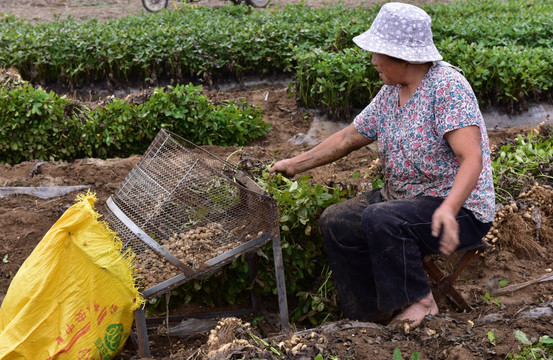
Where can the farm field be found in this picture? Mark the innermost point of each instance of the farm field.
(45, 10)
(488, 332)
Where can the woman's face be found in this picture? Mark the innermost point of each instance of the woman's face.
(390, 70)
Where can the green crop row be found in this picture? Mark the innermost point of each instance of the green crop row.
(336, 82)
(505, 75)
(342, 81)
(236, 39)
(194, 42)
(35, 124)
(493, 23)
(501, 45)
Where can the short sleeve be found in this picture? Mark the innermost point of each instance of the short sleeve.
(456, 105)
(370, 119)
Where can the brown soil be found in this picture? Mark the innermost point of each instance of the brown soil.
(520, 254)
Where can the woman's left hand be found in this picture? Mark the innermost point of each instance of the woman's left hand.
(445, 226)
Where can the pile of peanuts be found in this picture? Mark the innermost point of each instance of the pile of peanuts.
(152, 269)
(193, 248)
(533, 203)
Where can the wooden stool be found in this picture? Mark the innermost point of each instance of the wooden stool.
(444, 282)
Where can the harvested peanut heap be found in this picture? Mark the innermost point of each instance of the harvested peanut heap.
(232, 333)
(193, 248)
(229, 333)
(493, 235)
(152, 269)
(200, 244)
(10, 78)
(539, 196)
(531, 205)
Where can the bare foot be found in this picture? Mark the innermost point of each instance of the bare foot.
(415, 313)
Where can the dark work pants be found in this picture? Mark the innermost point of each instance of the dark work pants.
(375, 251)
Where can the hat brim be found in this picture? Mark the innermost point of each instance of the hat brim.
(419, 54)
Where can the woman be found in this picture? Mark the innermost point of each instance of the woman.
(438, 194)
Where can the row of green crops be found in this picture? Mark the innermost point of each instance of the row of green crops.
(493, 23)
(503, 47)
(197, 42)
(35, 124)
(337, 82)
(509, 77)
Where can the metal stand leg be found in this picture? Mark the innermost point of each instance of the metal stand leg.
(281, 285)
(252, 272)
(142, 333)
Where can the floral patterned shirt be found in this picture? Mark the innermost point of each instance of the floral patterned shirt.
(416, 158)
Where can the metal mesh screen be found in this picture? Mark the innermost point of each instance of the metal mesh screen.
(182, 210)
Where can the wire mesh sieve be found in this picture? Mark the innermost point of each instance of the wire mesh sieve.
(185, 213)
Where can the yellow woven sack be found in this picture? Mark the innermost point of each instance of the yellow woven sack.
(74, 297)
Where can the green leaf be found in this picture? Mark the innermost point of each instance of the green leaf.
(491, 337)
(397, 354)
(293, 187)
(36, 109)
(197, 286)
(520, 336)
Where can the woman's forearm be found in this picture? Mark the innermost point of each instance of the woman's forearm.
(331, 149)
(464, 183)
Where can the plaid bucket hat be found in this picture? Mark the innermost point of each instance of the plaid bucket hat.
(402, 31)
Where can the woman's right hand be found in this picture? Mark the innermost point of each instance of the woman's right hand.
(285, 167)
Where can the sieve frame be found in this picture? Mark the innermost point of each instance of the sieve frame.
(209, 266)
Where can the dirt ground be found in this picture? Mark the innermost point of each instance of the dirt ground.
(521, 253)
